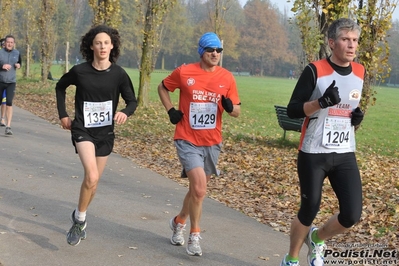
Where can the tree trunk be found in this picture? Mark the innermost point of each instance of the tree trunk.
(153, 20)
(47, 37)
(27, 65)
(221, 55)
(45, 69)
(163, 61)
(146, 58)
(145, 73)
(145, 84)
(67, 57)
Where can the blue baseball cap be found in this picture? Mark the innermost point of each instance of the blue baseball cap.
(209, 39)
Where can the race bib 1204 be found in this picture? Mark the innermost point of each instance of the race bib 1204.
(336, 132)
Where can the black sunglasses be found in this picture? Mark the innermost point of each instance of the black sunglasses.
(211, 50)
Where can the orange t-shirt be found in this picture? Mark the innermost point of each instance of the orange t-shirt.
(200, 100)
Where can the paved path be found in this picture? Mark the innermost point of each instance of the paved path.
(127, 221)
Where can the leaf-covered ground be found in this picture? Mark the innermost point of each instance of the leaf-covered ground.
(258, 177)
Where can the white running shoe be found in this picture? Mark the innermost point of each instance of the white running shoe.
(193, 245)
(315, 253)
(177, 238)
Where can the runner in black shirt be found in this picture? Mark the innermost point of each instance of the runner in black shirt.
(99, 84)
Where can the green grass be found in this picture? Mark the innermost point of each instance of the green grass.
(257, 122)
(380, 128)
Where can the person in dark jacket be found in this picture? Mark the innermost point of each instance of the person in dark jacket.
(10, 61)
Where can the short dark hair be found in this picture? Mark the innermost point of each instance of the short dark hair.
(9, 36)
(87, 41)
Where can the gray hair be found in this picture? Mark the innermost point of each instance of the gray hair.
(337, 26)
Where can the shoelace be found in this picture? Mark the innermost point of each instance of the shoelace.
(194, 238)
(193, 246)
(76, 229)
(179, 228)
(318, 250)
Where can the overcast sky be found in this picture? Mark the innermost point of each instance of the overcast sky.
(283, 4)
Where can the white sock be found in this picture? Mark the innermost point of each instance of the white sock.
(80, 216)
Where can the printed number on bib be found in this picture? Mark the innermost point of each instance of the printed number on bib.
(97, 114)
(203, 115)
(336, 132)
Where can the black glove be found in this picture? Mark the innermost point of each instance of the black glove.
(227, 104)
(330, 96)
(175, 115)
(357, 117)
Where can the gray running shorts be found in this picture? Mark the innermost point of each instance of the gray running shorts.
(192, 156)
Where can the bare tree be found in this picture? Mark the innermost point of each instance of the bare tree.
(47, 35)
(154, 14)
(29, 38)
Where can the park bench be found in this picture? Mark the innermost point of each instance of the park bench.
(286, 123)
(50, 77)
(247, 74)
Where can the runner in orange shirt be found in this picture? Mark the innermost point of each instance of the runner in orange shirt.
(206, 90)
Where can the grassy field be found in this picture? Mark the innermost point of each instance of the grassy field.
(378, 132)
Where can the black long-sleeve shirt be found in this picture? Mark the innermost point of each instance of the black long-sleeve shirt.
(94, 86)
